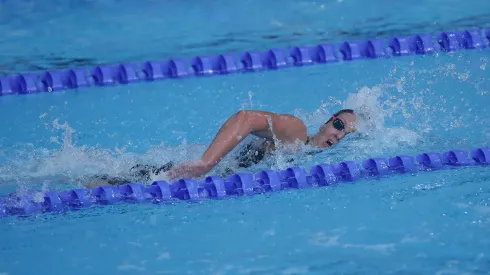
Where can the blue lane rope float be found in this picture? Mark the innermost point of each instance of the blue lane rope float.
(240, 184)
(248, 61)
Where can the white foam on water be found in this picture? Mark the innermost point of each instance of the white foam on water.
(372, 106)
(372, 114)
(75, 164)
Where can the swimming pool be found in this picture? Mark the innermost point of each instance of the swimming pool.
(424, 223)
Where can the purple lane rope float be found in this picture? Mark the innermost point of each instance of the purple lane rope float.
(248, 61)
(239, 184)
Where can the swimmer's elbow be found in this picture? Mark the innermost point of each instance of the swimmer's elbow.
(241, 119)
(241, 115)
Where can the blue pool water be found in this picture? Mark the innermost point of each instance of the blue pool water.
(428, 223)
(39, 35)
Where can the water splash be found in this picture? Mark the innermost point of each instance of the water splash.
(368, 109)
(76, 164)
(375, 108)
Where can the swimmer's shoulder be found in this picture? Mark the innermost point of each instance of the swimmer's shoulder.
(285, 127)
(292, 128)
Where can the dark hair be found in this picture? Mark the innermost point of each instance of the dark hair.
(350, 111)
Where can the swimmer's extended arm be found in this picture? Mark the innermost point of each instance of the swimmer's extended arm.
(235, 129)
(243, 123)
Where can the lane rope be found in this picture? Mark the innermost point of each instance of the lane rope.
(240, 184)
(248, 61)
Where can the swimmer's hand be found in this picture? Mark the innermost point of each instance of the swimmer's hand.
(190, 169)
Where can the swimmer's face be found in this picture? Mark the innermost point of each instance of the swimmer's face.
(331, 132)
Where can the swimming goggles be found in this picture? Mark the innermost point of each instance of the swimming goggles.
(337, 123)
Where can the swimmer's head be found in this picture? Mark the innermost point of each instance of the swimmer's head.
(339, 125)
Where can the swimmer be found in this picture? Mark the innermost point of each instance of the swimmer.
(285, 128)
(268, 127)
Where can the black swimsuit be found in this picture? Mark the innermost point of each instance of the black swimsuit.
(251, 154)
(140, 172)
